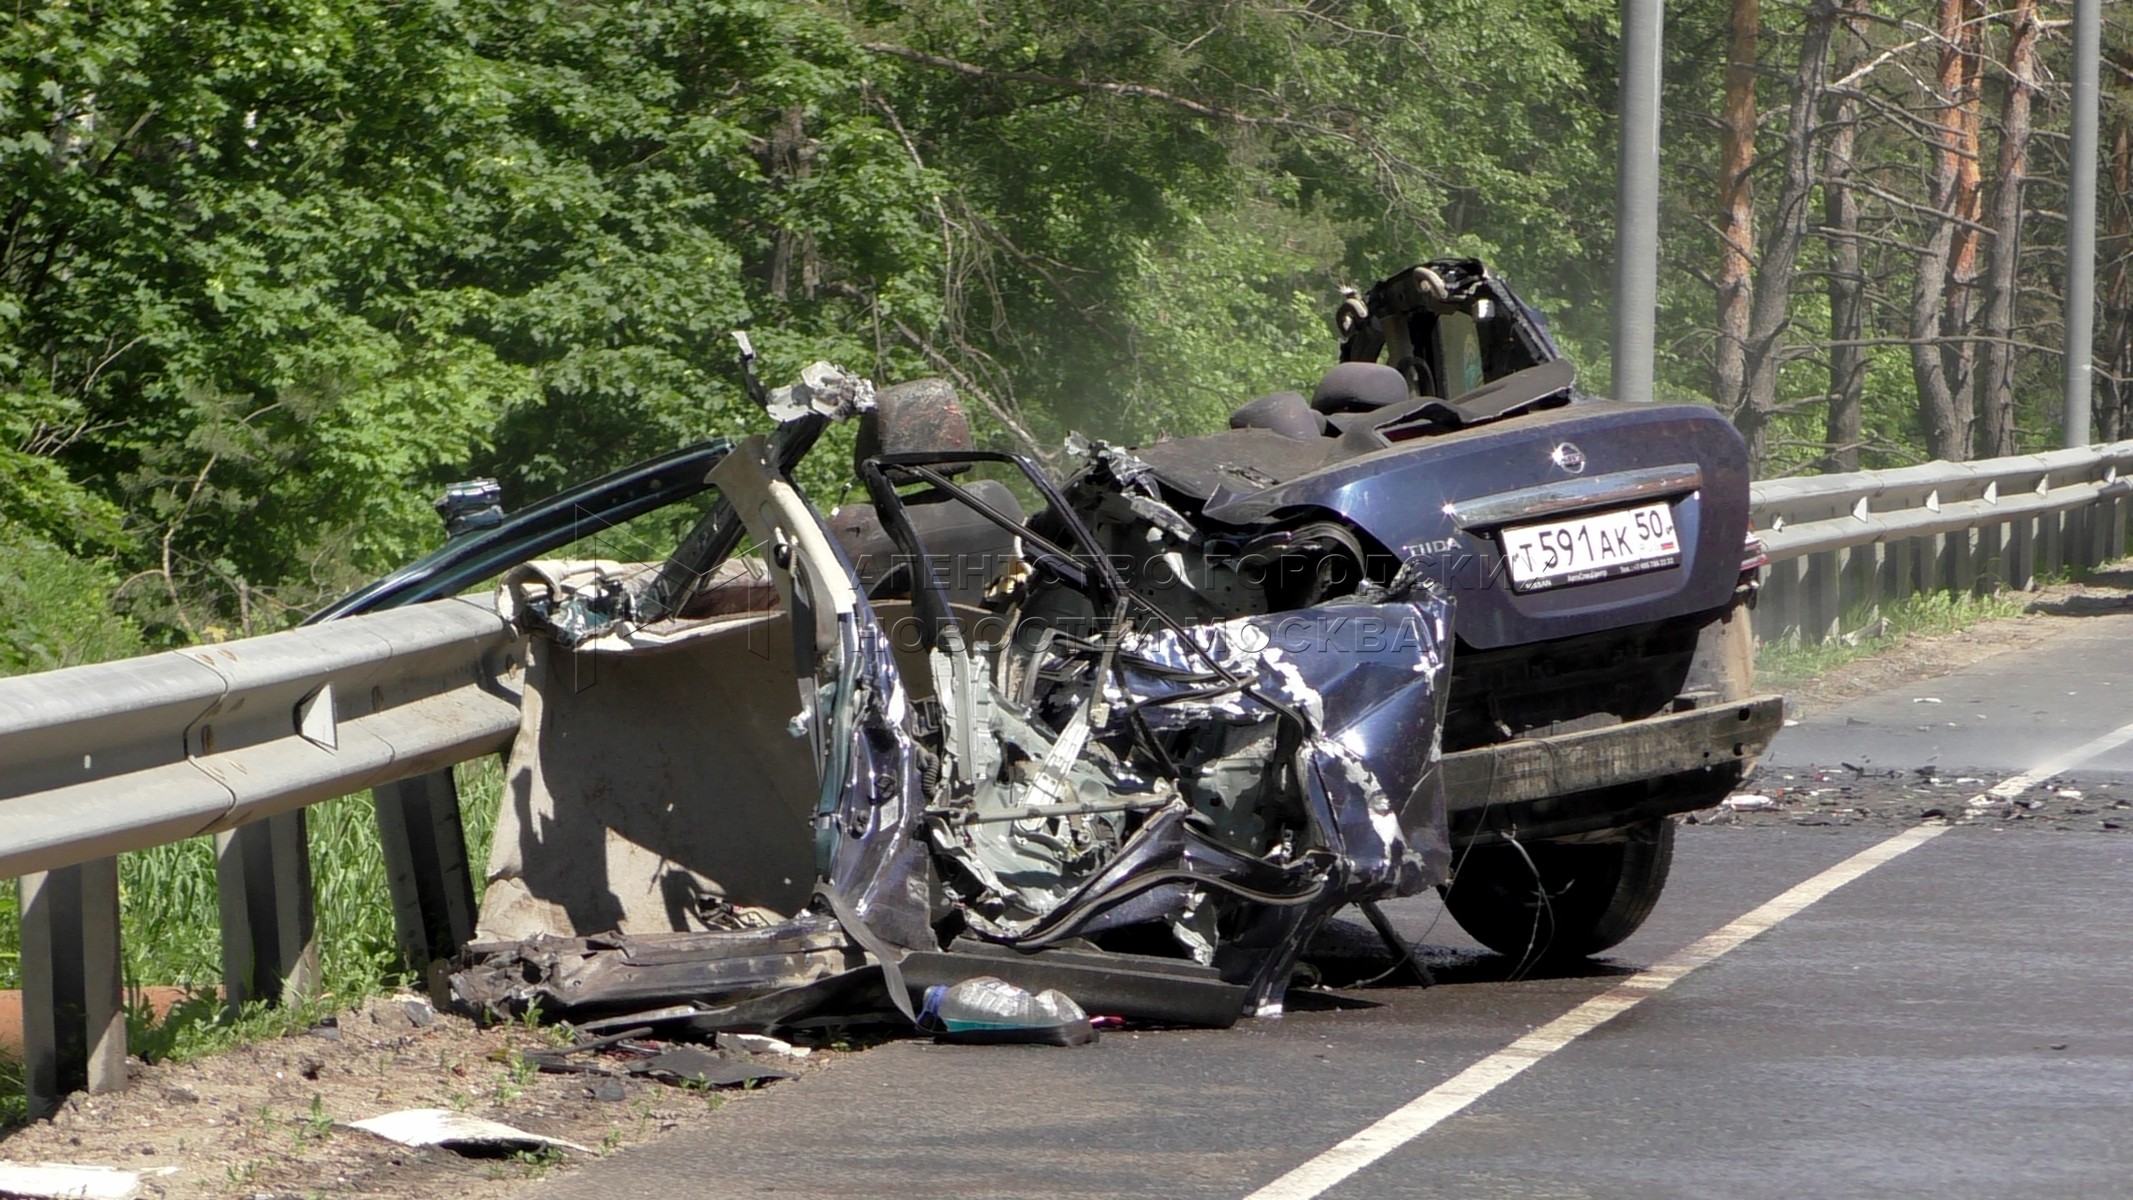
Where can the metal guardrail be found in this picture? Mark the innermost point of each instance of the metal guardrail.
(1840, 545)
(124, 755)
(233, 740)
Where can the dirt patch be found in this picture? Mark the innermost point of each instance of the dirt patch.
(264, 1119)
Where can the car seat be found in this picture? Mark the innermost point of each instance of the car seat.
(1358, 387)
(1283, 412)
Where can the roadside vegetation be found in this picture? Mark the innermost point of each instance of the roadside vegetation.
(172, 928)
(1786, 664)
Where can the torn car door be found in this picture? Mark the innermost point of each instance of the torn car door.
(853, 707)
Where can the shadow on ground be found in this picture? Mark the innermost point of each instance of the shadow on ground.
(1349, 958)
(2100, 593)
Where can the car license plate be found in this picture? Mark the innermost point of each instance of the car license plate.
(1576, 550)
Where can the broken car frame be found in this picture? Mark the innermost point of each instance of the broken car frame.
(1140, 745)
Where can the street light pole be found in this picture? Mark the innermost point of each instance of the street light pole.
(1637, 201)
(2081, 224)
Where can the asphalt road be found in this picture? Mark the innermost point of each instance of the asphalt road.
(1954, 1021)
(2008, 713)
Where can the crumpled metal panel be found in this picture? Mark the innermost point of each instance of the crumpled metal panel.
(1369, 682)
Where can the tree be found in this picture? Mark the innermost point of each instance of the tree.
(1736, 206)
(1771, 313)
(1948, 249)
(1995, 405)
(2115, 247)
(272, 274)
(1842, 430)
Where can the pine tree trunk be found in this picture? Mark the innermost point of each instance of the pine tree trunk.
(1736, 205)
(1938, 415)
(1779, 262)
(1843, 431)
(2117, 409)
(1969, 209)
(1995, 405)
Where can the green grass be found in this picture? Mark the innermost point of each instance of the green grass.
(13, 1103)
(1779, 665)
(171, 927)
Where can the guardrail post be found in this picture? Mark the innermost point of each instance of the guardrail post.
(2021, 554)
(1824, 607)
(73, 996)
(1859, 588)
(2052, 531)
(1777, 602)
(1990, 558)
(1899, 569)
(1956, 570)
(269, 939)
(426, 866)
(2074, 538)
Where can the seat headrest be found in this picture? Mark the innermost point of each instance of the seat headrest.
(1358, 387)
(1283, 412)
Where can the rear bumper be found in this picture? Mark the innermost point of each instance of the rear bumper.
(1601, 779)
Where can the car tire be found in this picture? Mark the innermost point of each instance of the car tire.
(1571, 901)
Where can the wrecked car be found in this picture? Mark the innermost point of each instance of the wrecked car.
(1134, 730)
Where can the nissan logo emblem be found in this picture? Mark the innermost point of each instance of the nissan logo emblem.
(1570, 458)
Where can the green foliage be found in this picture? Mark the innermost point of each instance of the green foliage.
(271, 275)
(14, 1091)
(55, 608)
(1095, 161)
(10, 948)
(1233, 307)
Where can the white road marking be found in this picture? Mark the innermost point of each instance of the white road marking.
(2015, 785)
(1426, 1111)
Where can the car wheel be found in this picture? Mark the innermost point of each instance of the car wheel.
(1571, 900)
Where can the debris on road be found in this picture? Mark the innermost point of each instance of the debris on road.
(1859, 793)
(459, 1132)
(270, 1117)
(986, 1010)
(69, 1181)
(756, 1043)
(703, 1068)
